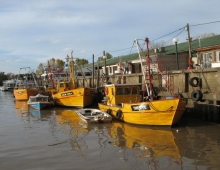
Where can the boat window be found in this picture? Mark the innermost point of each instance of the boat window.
(95, 113)
(33, 99)
(119, 91)
(39, 99)
(127, 90)
(135, 90)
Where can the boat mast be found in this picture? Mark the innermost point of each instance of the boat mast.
(148, 67)
(50, 74)
(142, 66)
(70, 62)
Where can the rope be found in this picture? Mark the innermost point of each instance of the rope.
(155, 109)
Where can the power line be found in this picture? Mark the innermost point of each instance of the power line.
(175, 36)
(180, 29)
(168, 34)
(205, 23)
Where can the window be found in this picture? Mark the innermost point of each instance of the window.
(207, 58)
(127, 90)
(135, 90)
(217, 56)
(119, 91)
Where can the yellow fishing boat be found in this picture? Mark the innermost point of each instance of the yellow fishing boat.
(26, 88)
(123, 102)
(68, 94)
(24, 91)
(79, 97)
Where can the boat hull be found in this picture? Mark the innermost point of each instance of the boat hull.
(39, 105)
(79, 97)
(158, 112)
(94, 116)
(24, 94)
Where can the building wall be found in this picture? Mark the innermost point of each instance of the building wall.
(169, 62)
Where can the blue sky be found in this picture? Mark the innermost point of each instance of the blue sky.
(32, 32)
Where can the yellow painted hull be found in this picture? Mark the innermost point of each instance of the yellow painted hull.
(24, 94)
(152, 142)
(158, 112)
(79, 97)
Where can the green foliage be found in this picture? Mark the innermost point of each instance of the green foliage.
(40, 69)
(81, 61)
(2, 77)
(60, 63)
(108, 56)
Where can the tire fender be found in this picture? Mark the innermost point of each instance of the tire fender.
(118, 114)
(195, 82)
(196, 95)
(109, 111)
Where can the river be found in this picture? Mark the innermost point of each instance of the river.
(57, 139)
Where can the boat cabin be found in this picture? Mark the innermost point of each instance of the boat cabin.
(64, 86)
(26, 86)
(39, 98)
(122, 93)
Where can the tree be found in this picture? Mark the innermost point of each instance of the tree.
(108, 56)
(81, 61)
(40, 69)
(157, 45)
(60, 63)
(2, 77)
(52, 62)
(204, 35)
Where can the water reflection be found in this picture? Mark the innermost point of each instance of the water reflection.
(81, 132)
(191, 145)
(35, 113)
(156, 146)
(21, 108)
(201, 144)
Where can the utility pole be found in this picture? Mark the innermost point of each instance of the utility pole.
(189, 44)
(93, 71)
(104, 57)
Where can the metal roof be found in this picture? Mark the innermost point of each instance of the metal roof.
(167, 50)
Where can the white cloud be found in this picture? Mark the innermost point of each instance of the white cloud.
(35, 31)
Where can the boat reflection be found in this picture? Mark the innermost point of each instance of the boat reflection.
(21, 108)
(155, 145)
(68, 116)
(80, 132)
(35, 113)
(41, 114)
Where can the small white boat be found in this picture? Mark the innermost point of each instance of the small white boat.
(91, 115)
(39, 101)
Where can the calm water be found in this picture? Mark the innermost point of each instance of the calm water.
(56, 139)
